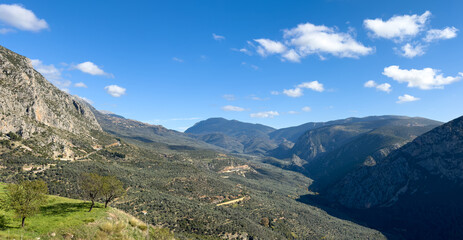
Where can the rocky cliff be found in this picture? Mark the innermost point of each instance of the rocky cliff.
(32, 106)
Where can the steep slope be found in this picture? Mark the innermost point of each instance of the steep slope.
(253, 137)
(147, 133)
(367, 148)
(32, 108)
(417, 188)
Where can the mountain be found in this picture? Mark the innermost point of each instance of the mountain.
(417, 187)
(50, 121)
(332, 152)
(236, 136)
(198, 194)
(146, 133)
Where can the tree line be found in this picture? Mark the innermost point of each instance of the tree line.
(27, 197)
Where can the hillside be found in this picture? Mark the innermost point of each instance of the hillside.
(180, 189)
(423, 177)
(146, 133)
(64, 218)
(50, 122)
(236, 136)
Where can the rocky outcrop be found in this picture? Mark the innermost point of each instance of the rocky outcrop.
(30, 105)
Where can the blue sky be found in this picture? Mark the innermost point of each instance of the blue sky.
(279, 63)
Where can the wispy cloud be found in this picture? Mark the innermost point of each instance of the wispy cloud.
(407, 98)
(80, 85)
(52, 74)
(177, 59)
(231, 108)
(218, 37)
(229, 97)
(268, 114)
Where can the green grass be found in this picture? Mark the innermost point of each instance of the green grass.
(57, 216)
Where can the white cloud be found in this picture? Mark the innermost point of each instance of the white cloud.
(115, 90)
(306, 109)
(267, 47)
(385, 87)
(292, 56)
(425, 79)
(398, 27)
(296, 92)
(410, 51)
(407, 98)
(438, 34)
(6, 30)
(217, 37)
(293, 112)
(80, 85)
(370, 84)
(268, 114)
(177, 59)
(52, 74)
(275, 93)
(90, 68)
(229, 97)
(232, 108)
(312, 39)
(21, 18)
(314, 85)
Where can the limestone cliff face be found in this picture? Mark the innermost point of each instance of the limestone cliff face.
(437, 155)
(30, 105)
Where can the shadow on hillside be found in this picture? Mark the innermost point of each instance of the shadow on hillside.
(63, 209)
(357, 216)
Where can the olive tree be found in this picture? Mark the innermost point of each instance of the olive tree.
(26, 198)
(111, 188)
(91, 187)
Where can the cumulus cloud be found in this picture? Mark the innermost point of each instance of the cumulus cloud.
(115, 90)
(217, 37)
(411, 51)
(306, 39)
(425, 79)
(295, 92)
(267, 47)
(232, 108)
(18, 17)
(306, 109)
(91, 68)
(385, 87)
(407, 98)
(438, 34)
(80, 85)
(398, 27)
(309, 39)
(268, 114)
(298, 90)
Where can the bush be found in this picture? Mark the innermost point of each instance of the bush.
(134, 222)
(13, 136)
(161, 234)
(143, 227)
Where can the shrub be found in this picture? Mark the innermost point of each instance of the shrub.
(134, 222)
(161, 234)
(143, 227)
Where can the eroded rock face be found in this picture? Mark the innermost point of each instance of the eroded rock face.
(437, 154)
(30, 105)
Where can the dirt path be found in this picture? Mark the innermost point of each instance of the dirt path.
(231, 202)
